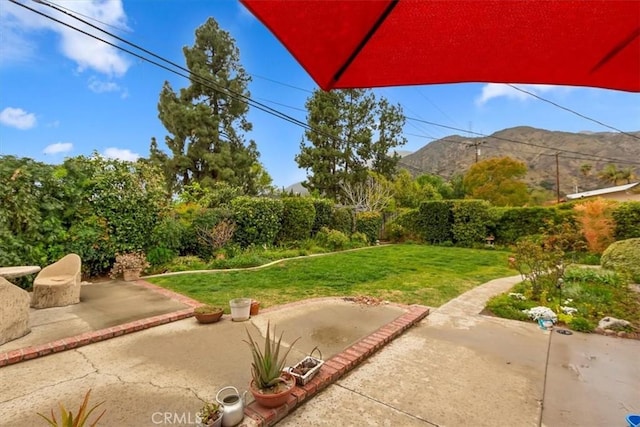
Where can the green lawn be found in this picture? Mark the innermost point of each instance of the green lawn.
(420, 274)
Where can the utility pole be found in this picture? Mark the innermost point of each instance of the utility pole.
(477, 144)
(557, 179)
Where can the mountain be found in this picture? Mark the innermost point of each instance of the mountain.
(454, 154)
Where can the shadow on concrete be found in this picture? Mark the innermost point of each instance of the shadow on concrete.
(102, 305)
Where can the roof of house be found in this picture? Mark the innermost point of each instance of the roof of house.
(602, 191)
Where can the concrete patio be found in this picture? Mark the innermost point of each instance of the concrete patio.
(454, 368)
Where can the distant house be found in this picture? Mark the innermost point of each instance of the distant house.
(621, 193)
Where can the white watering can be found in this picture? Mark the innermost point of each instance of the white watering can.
(232, 406)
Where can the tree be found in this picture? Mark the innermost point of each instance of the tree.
(410, 192)
(384, 159)
(497, 180)
(443, 188)
(610, 174)
(626, 175)
(207, 119)
(585, 169)
(340, 148)
(372, 195)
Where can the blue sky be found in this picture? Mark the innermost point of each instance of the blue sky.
(64, 94)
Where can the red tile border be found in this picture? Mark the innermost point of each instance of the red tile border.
(28, 353)
(338, 366)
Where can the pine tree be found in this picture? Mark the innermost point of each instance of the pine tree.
(339, 149)
(207, 119)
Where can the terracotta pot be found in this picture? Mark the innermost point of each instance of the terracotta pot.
(208, 317)
(130, 275)
(273, 400)
(255, 307)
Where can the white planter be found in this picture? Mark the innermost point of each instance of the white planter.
(304, 379)
(240, 309)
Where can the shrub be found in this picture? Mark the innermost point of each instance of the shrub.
(186, 263)
(395, 233)
(434, 221)
(358, 240)
(298, 216)
(369, 223)
(597, 225)
(91, 240)
(213, 239)
(581, 324)
(257, 219)
(323, 209)
(332, 239)
(342, 219)
(624, 257)
(602, 277)
(507, 307)
(471, 220)
(627, 220)
(160, 255)
(169, 234)
(541, 266)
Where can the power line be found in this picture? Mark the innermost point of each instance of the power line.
(126, 30)
(571, 111)
(243, 98)
(204, 81)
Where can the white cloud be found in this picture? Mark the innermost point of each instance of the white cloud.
(497, 90)
(17, 118)
(20, 26)
(99, 86)
(121, 154)
(58, 147)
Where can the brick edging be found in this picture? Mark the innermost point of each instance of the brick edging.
(337, 366)
(27, 353)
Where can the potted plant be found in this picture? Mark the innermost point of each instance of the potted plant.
(270, 384)
(207, 313)
(129, 265)
(210, 415)
(307, 368)
(255, 307)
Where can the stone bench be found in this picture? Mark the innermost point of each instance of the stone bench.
(58, 284)
(14, 316)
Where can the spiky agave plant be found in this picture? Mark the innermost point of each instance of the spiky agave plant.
(81, 418)
(267, 365)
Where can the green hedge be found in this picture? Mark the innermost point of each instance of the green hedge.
(323, 208)
(435, 221)
(627, 218)
(369, 224)
(298, 217)
(513, 223)
(257, 220)
(342, 219)
(471, 220)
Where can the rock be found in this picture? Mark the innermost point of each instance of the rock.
(14, 316)
(622, 334)
(609, 332)
(612, 322)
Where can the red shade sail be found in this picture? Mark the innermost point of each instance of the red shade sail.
(374, 43)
